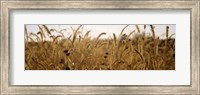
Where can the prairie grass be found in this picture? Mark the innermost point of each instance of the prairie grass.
(81, 52)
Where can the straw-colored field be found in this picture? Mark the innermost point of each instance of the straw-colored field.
(81, 52)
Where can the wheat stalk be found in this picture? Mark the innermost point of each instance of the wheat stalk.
(86, 34)
(47, 29)
(75, 35)
(101, 34)
(129, 35)
(37, 37)
(138, 28)
(115, 39)
(141, 56)
(122, 31)
(167, 36)
(42, 33)
(55, 38)
(97, 39)
(26, 33)
(171, 35)
(152, 31)
(167, 32)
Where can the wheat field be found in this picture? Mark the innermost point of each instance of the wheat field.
(81, 52)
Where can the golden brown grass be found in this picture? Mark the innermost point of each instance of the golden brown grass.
(81, 52)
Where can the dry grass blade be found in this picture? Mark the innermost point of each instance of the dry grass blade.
(37, 37)
(153, 31)
(31, 39)
(53, 30)
(129, 35)
(102, 44)
(156, 46)
(39, 33)
(138, 28)
(60, 32)
(122, 31)
(167, 32)
(97, 39)
(55, 38)
(171, 35)
(47, 29)
(141, 56)
(26, 33)
(72, 29)
(87, 34)
(167, 36)
(52, 36)
(41, 30)
(115, 39)
(75, 34)
(144, 27)
(103, 33)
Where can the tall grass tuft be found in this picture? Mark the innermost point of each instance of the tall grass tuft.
(82, 52)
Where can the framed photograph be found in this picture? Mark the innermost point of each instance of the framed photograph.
(100, 47)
